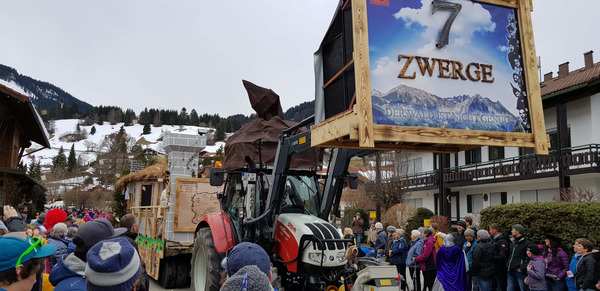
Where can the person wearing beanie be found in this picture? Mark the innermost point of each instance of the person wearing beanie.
(414, 269)
(459, 235)
(357, 228)
(113, 265)
(249, 278)
(483, 264)
(22, 260)
(536, 269)
(501, 252)
(247, 265)
(380, 243)
(53, 217)
(69, 272)
(427, 259)
(518, 259)
(468, 248)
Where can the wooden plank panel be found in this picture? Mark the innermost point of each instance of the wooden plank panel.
(362, 73)
(506, 3)
(394, 147)
(332, 128)
(536, 111)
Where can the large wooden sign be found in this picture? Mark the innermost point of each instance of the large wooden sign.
(194, 198)
(441, 75)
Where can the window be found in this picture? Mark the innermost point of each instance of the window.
(496, 153)
(554, 144)
(474, 203)
(542, 195)
(473, 156)
(498, 198)
(146, 195)
(417, 202)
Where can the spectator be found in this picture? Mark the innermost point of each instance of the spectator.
(536, 269)
(12, 219)
(3, 228)
(468, 248)
(517, 260)
(439, 236)
(130, 223)
(390, 230)
(23, 212)
(427, 259)
(22, 260)
(459, 235)
(558, 264)
(570, 280)
(348, 235)
(372, 238)
(585, 273)
(414, 269)
(86, 216)
(113, 264)
(380, 241)
(58, 238)
(397, 253)
(41, 219)
(483, 261)
(469, 222)
(501, 253)
(68, 274)
(451, 267)
(70, 222)
(357, 228)
(53, 217)
(247, 265)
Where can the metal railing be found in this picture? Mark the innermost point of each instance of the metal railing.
(579, 157)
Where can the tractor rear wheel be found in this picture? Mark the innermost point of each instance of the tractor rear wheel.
(206, 262)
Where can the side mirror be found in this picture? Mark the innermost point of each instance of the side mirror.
(216, 176)
(353, 180)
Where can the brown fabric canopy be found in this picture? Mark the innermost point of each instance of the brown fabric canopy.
(267, 129)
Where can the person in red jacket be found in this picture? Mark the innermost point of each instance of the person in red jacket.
(427, 259)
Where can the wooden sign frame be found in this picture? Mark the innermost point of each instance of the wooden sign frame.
(177, 223)
(354, 128)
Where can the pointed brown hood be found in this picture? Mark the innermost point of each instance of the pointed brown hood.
(264, 101)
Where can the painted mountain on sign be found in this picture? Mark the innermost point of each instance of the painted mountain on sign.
(407, 106)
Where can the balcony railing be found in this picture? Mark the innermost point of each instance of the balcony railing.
(574, 159)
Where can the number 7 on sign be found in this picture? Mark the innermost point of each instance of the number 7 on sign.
(443, 5)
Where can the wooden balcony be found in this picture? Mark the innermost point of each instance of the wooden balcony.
(574, 160)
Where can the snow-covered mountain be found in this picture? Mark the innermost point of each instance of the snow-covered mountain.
(417, 100)
(43, 94)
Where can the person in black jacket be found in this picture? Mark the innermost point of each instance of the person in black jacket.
(517, 260)
(585, 275)
(483, 261)
(501, 252)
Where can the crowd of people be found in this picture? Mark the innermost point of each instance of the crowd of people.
(482, 260)
(65, 251)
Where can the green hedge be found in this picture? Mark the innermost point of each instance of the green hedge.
(417, 221)
(349, 213)
(568, 220)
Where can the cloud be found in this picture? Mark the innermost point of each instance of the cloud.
(463, 28)
(503, 48)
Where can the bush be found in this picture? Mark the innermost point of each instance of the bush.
(568, 220)
(398, 215)
(417, 221)
(443, 223)
(349, 213)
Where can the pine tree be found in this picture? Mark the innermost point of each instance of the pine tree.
(147, 129)
(59, 162)
(93, 130)
(220, 133)
(35, 170)
(71, 160)
(77, 128)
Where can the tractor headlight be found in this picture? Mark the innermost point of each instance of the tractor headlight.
(317, 257)
(341, 256)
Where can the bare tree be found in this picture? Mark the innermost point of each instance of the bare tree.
(576, 194)
(389, 173)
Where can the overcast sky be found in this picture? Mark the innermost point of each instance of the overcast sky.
(194, 54)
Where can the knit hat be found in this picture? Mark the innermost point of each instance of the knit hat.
(53, 217)
(245, 254)
(519, 228)
(112, 265)
(97, 230)
(14, 244)
(534, 249)
(378, 225)
(391, 229)
(470, 232)
(462, 223)
(249, 276)
(483, 234)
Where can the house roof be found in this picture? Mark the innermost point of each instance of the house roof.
(579, 77)
(149, 173)
(26, 115)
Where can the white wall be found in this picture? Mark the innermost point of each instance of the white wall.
(595, 118)
(579, 118)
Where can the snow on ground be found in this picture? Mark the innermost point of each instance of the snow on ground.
(86, 149)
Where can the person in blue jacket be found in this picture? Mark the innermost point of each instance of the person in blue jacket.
(570, 280)
(414, 269)
(397, 253)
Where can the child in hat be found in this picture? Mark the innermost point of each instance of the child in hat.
(536, 269)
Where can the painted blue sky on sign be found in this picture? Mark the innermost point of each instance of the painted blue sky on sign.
(408, 27)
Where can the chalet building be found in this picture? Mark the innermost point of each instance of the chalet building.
(20, 125)
(487, 176)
